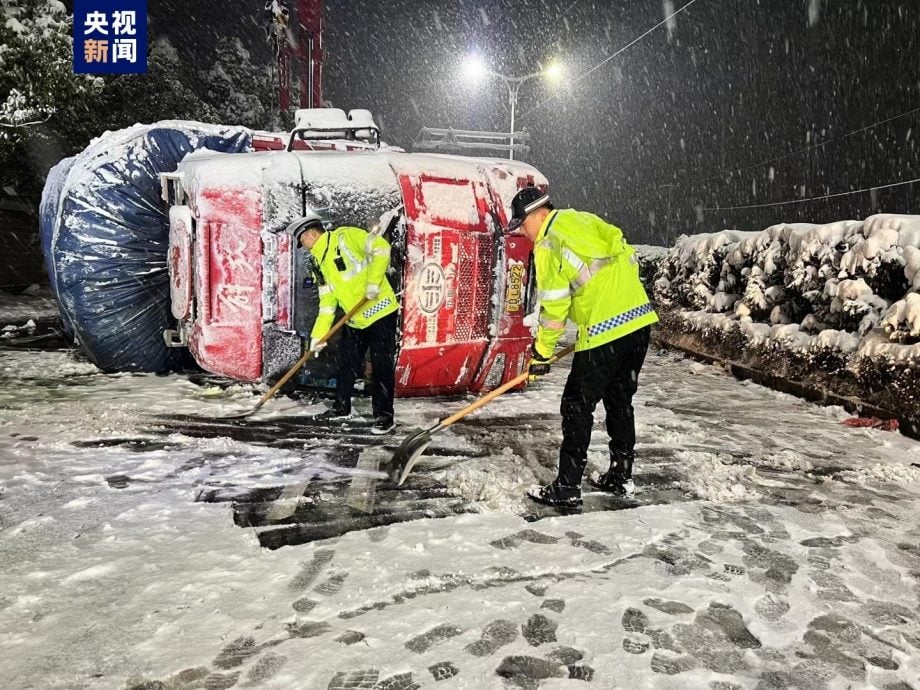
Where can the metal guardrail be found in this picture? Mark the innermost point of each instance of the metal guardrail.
(450, 139)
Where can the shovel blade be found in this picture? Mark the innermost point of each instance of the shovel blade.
(236, 417)
(408, 453)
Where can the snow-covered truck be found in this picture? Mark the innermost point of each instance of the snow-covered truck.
(237, 286)
(235, 292)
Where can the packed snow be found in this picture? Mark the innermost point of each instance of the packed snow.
(769, 548)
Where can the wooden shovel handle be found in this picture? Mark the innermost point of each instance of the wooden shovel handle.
(309, 353)
(504, 388)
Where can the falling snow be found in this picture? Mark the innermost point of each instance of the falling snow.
(770, 545)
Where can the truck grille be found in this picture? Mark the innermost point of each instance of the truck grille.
(474, 287)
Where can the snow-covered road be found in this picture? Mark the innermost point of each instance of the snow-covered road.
(786, 553)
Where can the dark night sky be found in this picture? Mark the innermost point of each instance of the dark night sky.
(675, 124)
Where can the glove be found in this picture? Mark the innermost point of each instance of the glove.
(539, 365)
(371, 291)
(317, 346)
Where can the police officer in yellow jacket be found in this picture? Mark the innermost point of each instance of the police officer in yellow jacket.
(588, 274)
(351, 265)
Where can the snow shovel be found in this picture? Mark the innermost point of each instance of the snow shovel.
(411, 449)
(300, 362)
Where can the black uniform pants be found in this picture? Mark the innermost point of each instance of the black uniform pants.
(380, 338)
(610, 373)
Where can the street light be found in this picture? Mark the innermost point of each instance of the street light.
(554, 72)
(476, 70)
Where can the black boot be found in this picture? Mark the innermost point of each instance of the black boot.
(383, 425)
(618, 479)
(557, 495)
(613, 485)
(338, 411)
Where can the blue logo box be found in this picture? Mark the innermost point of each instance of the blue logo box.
(110, 36)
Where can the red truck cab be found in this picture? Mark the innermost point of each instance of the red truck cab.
(243, 301)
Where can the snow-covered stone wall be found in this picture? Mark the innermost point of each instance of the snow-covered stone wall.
(835, 305)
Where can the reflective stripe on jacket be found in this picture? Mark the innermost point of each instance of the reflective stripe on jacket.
(350, 259)
(587, 273)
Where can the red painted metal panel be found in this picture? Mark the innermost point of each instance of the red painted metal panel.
(517, 276)
(438, 369)
(269, 142)
(310, 48)
(227, 337)
(510, 347)
(447, 298)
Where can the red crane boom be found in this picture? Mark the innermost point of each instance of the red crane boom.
(300, 48)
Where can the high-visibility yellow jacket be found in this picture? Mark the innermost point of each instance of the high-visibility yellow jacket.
(589, 274)
(350, 259)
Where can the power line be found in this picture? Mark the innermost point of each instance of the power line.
(566, 10)
(809, 148)
(582, 76)
(730, 170)
(814, 198)
(609, 58)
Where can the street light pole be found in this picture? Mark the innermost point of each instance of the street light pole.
(514, 85)
(512, 97)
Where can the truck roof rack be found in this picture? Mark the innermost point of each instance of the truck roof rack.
(332, 123)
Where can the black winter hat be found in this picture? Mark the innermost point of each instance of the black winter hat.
(526, 200)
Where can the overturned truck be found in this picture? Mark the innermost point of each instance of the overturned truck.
(169, 240)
